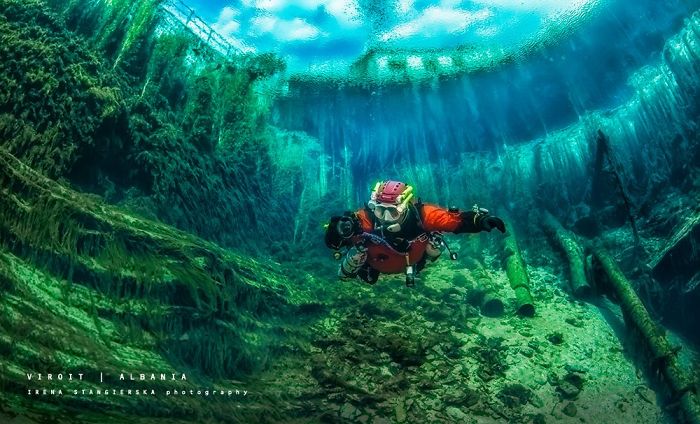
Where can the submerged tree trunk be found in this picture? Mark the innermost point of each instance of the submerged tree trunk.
(517, 274)
(664, 355)
(573, 251)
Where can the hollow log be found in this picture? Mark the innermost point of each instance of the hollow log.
(482, 292)
(681, 386)
(573, 251)
(491, 305)
(517, 274)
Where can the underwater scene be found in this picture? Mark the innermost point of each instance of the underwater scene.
(349, 211)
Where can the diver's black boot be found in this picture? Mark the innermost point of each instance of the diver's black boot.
(410, 276)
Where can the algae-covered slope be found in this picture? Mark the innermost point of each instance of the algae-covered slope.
(115, 100)
(88, 288)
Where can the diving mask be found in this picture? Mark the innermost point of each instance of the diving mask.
(385, 212)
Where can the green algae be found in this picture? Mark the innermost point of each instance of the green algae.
(122, 105)
(90, 288)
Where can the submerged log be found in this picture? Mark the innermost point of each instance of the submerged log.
(491, 305)
(482, 293)
(603, 155)
(517, 274)
(574, 254)
(681, 386)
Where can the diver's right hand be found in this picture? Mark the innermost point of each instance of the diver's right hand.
(488, 223)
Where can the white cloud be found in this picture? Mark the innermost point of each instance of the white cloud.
(270, 5)
(278, 5)
(404, 6)
(415, 62)
(545, 6)
(445, 61)
(226, 24)
(436, 20)
(450, 4)
(284, 30)
(262, 24)
(346, 12)
(297, 29)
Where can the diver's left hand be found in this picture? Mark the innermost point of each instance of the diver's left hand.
(491, 222)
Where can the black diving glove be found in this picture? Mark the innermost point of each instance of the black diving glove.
(488, 223)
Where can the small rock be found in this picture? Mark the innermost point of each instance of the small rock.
(534, 345)
(457, 414)
(462, 397)
(384, 372)
(574, 321)
(485, 375)
(527, 352)
(568, 390)
(539, 379)
(570, 409)
(348, 411)
(575, 378)
(536, 401)
(555, 338)
(525, 332)
(538, 419)
(575, 368)
(515, 395)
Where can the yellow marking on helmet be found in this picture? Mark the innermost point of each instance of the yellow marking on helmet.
(376, 186)
(406, 196)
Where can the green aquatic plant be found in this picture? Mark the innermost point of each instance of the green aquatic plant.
(173, 282)
(140, 24)
(163, 129)
(56, 97)
(166, 73)
(198, 116)
(116, 27)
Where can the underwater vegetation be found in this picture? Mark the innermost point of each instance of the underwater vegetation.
(143, 131)
(162, 207)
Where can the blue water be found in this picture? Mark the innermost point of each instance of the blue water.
(510, 104)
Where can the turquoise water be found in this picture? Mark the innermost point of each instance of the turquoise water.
(167, 171)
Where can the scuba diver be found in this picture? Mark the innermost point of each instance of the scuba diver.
(394, 233)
